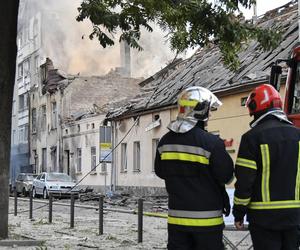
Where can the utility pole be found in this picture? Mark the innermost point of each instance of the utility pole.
(8, 53)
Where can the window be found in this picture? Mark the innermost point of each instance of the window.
(93, 125)
(243, 101)
(20, 70)
(23, 133)
(93, 158)
(78, 128)
(44, 159)
(33, 120)
(36, 64)
(105, 143)
(154, 147)
(124, 157)
(44, 117)
(54, 115)
(21, 102)
(26, 67)
(136, 156)
(79, 160)
(54, 158)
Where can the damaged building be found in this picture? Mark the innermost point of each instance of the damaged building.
(149, 113)
(67, 133)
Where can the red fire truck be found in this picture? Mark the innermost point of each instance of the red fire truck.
(292, 92)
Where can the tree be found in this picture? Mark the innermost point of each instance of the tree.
(189, 23)
(8, 52)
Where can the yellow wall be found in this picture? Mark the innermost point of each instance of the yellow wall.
(231, 120)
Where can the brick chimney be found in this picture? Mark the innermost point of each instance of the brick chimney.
(125, 58)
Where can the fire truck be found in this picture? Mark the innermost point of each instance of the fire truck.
(292, 86)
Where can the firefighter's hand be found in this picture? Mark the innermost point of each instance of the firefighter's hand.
(239, 225)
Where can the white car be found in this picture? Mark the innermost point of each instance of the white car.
(59, 184)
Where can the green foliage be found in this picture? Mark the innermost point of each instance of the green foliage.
(189, 23)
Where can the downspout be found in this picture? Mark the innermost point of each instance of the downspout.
(113, 173)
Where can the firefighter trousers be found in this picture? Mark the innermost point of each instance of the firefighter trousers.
(268, 239)
(182, 240)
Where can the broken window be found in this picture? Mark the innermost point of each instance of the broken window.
(79, 160)
(33, 120)
(93, 158)
(44, 117)
(154, 147)
(54, 116)
(136, 156)
(124, 157)
(44, 159)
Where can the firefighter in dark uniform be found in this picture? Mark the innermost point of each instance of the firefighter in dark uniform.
(195, 167)
(268, 174)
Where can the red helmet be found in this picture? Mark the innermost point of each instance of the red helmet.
(263, 98)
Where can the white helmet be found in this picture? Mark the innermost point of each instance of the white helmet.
(194, 104)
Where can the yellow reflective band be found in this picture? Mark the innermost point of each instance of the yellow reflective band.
(274, 205)
(297, 196)
(187, 103)
(246, 163)
(243, 202)
(265, 193)
(184, 157)
(196, 222)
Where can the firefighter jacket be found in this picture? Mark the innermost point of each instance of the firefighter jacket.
(195, 167)
(268, 175)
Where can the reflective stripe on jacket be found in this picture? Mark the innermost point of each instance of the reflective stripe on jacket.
(194, 165)
(268, 175)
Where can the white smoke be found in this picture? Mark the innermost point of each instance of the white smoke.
(68, 45)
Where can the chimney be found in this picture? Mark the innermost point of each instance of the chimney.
(125, 58)
(254, 17)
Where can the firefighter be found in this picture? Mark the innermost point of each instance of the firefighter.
(195, 167)
(268, 174)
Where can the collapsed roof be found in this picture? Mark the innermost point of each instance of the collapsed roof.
(205, 68)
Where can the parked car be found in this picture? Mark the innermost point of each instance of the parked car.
(59, 184)
(24, 183)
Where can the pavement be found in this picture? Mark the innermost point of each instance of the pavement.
(120, 229)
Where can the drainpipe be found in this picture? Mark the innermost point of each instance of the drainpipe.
(113, 174)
